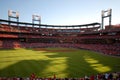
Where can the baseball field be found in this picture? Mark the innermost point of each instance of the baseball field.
(62, 62)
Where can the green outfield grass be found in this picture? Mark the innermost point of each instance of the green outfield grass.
(62, 62)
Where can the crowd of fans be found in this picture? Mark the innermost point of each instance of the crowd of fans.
(9, 44)
(109, 49)
(25, 29)
(28, 29)
(103, 76)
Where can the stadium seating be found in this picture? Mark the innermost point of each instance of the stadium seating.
(10, 36)
(102, 48)
(9, 44)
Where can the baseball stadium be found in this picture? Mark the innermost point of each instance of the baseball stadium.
(35, 51)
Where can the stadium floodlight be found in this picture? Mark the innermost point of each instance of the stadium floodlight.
(13, 14)
(39, 17)
(32, 16)
(9, 12)
(36, 18)
(17, 14)
(102, 13)
(109, 12)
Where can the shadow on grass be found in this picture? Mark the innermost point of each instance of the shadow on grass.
(75, 65)
(78, 65)
(25, 68)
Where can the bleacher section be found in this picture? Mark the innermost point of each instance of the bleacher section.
(107, 41)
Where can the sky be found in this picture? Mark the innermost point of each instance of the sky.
(62, 12)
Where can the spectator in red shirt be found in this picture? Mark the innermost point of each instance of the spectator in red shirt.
(32, 77)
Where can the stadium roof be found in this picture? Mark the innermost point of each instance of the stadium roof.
(24, 23)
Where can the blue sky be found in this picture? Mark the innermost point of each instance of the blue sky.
(62, 12)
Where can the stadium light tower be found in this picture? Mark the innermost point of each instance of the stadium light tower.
(36, 18)
(109, 14)
(13, 14)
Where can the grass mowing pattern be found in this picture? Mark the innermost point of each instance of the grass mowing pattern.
(46, 63)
